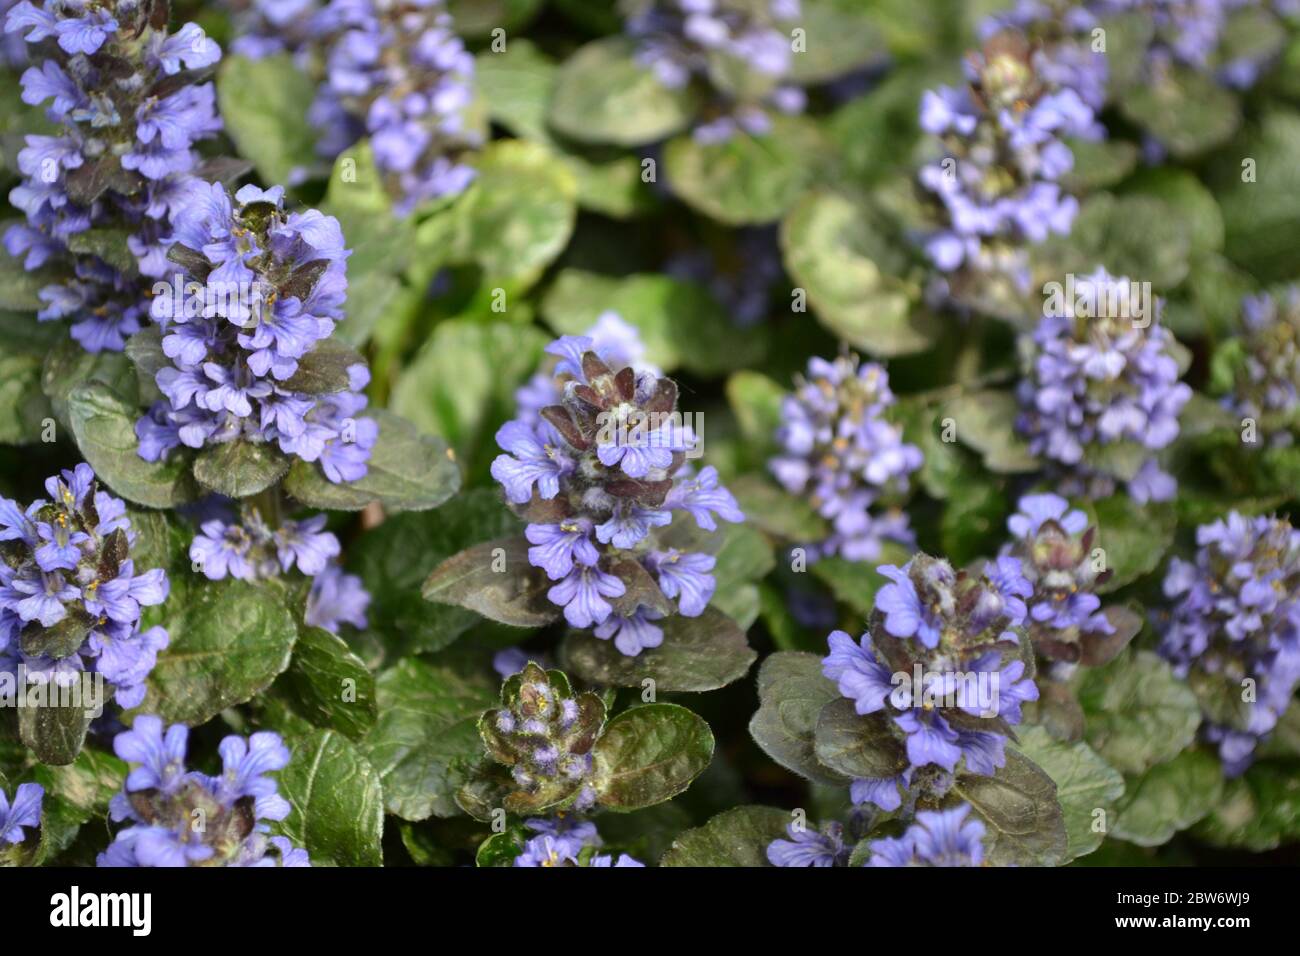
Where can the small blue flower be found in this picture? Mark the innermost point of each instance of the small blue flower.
(25, 811)
(808, 847)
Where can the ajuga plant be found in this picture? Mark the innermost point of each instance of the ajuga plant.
(994, 181)
(71, 600)
(1101, 395)
(180, 817)
(554, 750)
(130, 104)
(842, 455)
(915, 713)
(1260, 369)
(1233, 629)
(739, 51)
(598, 476)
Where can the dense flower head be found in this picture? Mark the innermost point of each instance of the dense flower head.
(1101, 395)
(840, 452)
(943, 667)
(1234, 628)
(994, 181)
(395, 71)
(129, 107)
(70, 594)
(705, 41)
(566, 841)
(1266, 365)
(182, 817)
(20, 815)
(936, 838)
(1054, 544)
(261, 287)
(599, 474)
(544, 733)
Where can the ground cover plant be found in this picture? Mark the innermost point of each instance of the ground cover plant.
(630, 433)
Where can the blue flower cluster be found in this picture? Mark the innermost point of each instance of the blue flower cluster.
(840, 452)
(70, 597)
(251, 550)
(953, 640)
(995, 178)
(1054, 545)
(564, 841)
(130, 110)
(595, 471)
(1266, 384)
(182, 817)
(25, 811)
(267, 27)
(1102, 394)
(398, 73)
(261, 287)
(937, 838)
(1234, 630)
(705, 41)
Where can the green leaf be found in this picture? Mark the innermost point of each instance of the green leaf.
(516, 216)
(698, 654)
(839, 38)
(394, 559)
(737, 837)
(1259, 810)
(329, 685)
(478, 18)
(68, 365)
(1139, 236)
(23, 405)
(649, 754)
(1139, 713)
(324, 369)
(1257, 182)
(985, 421)
(461, 383)
(497, 580)
(104, 426)
(19, 288)
(1099, 164)
(1084, 784)
(1168, 798)
(407, 471)
(1188, 200)
(667, 312)
(835, 250)
(240, 469)
(337, 806)
(229, 641)
(426, 735)
(775, 511)
(264, 105)
(55, 731)
(857, 745)
(792, 693)
(1024, 823)
(746, 180)
(1188, 111)
(1134, 537)
(603, 95)
(76, 794)
(756, 401)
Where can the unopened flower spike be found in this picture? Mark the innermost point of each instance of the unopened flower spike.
(130, 105)
(842, 454)
(71, 596)
(180, 817)
(544, 733)
(597, 463)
